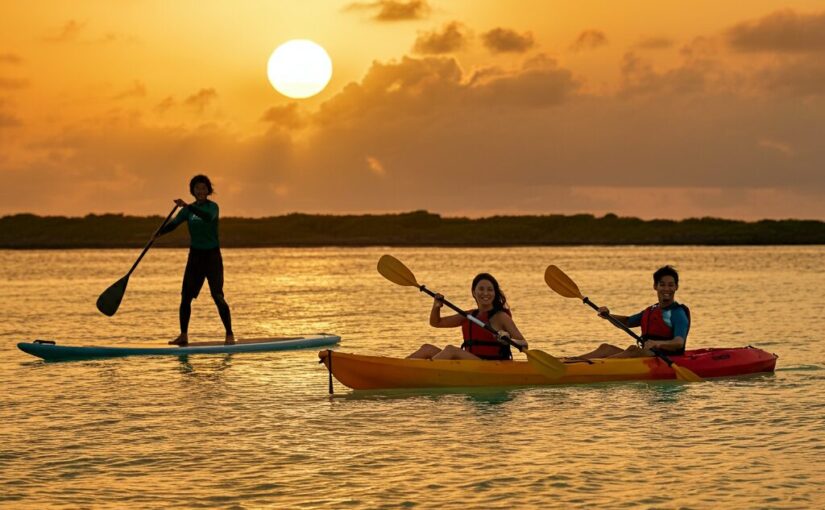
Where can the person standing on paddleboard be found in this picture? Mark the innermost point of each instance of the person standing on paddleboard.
(665, 325)
(205, 261)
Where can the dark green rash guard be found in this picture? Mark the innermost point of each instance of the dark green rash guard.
(202, 220)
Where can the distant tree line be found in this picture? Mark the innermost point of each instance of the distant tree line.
(417, 228)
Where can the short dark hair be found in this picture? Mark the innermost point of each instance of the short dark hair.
(200, 178)
(665, 271)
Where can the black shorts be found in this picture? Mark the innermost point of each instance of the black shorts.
(203, 265)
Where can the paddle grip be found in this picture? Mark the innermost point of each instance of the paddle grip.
(616, 322)
(504, 338)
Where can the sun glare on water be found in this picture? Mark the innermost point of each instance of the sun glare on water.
(299, 68)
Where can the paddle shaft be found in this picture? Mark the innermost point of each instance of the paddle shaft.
(616, 322)
(152, 240)
(470, 317)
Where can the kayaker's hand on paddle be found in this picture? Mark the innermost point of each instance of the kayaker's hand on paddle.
(180, 202)
(603, 312)
(505, 337)
(438, 301)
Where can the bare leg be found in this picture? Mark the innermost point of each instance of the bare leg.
(634, 351)
(453, 352)
(426, 351)
(603, 351)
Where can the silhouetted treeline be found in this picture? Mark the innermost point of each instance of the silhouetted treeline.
(418, 228)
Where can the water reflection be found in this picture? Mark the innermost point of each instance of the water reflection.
(664, 392)
(483, 396)
(206, 367)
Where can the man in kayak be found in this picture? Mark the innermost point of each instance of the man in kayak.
(478, 342)
(665, 325)
(205, 261)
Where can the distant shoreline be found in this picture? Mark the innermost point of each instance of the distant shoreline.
(417, 228)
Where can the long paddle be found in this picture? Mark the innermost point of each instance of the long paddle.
(564, 286)
(395, 271)
(110, 299)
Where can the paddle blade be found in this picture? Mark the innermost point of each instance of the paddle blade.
(685, 374)
(395, 271)
(546, 364)
(110, 299)
(561, 283)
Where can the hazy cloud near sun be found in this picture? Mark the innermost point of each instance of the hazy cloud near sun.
(505, 40)
(201, 99)
(9, 121)
(137, 90)
(69, 32)
(285, 117)
(589, 40)
(782, 31)
(392, 10)
(450, 38)
(13, 83)
(10, 58)
(655, 43)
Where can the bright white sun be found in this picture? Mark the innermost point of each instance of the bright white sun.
(299, 68)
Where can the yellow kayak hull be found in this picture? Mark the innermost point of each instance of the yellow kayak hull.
(362, 372)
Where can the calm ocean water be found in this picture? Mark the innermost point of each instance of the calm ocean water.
(260, 430)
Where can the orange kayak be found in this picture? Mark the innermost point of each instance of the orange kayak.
(379, 372)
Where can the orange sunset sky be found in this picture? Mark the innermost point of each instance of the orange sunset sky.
(657, 109)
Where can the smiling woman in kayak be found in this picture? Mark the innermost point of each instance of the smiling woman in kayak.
(478, 343)
(205, 261)
(665, 325)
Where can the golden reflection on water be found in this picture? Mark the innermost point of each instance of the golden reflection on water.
(260, 430)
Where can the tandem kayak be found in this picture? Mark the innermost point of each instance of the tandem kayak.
(50, 351)
(377, 372)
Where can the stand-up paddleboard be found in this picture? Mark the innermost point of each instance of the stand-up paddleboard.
(50, 351)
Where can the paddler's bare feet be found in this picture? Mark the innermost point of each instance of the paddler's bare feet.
(181, 340)
(230, 339)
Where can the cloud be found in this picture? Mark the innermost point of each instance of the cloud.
(655, 43)
(539, 84)
(451, 38)
(10, 58)
(9, 121)
(589, 40)
(201, 100)
(783, 31)
(13, 83)
(779, 146)
(69, 32)
(164, 106)
(798, 77)
(505, 40)
(137, 90)
(376, 166)
(285, 117)
(392, 10)
(694, 76)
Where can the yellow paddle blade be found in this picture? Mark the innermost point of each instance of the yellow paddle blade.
(546, 364)
(561, 283)
(685, 374)
(395, 271)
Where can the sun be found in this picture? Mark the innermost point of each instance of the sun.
(299, 68)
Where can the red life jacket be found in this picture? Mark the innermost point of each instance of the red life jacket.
(481, 342)
(654, 326)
